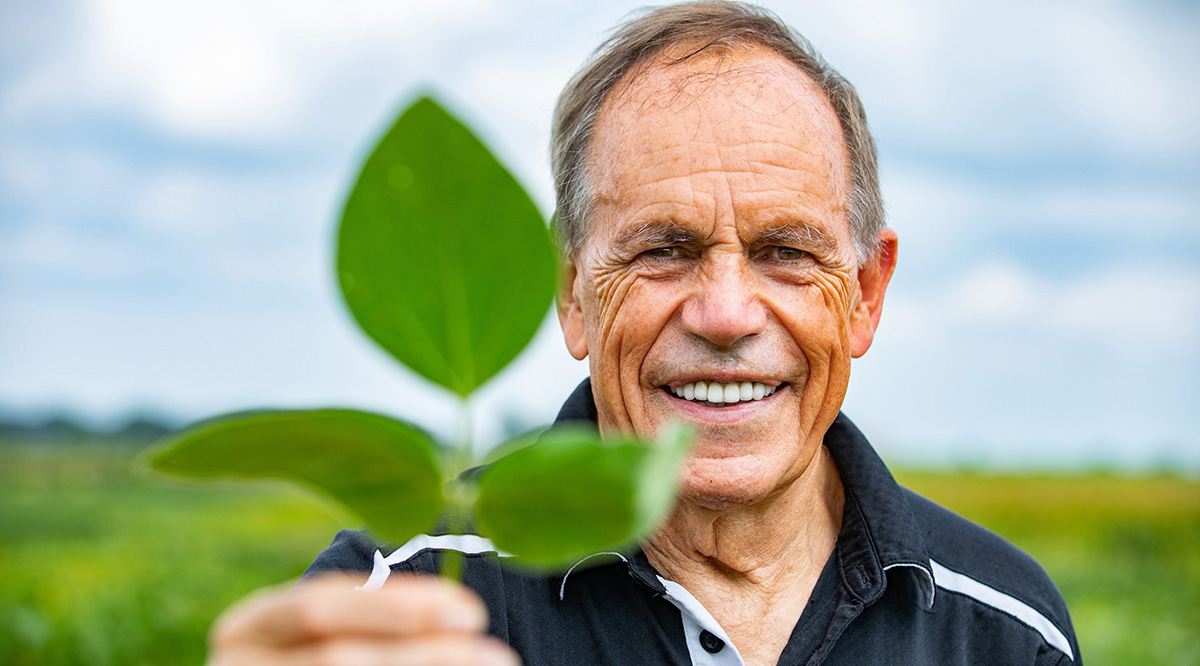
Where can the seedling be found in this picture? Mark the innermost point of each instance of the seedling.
(445, 262)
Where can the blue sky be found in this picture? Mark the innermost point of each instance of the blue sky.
(170, 175)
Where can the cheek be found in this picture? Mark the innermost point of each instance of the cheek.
(815, 315)
(817, 319)
(835, 311)
(629, 313)
(823, 332)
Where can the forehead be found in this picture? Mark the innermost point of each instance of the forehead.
(740, 126)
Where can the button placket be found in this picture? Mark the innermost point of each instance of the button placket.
(706, 641)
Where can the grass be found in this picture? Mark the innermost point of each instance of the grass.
(1125, 552)
(101, 567)
(98, 566)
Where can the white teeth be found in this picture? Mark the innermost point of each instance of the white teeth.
(721, 393)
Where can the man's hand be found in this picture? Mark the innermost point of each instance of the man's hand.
(412, 621)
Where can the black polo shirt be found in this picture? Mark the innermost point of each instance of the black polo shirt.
(908, 583)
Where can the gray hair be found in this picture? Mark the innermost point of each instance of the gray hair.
(715, 23)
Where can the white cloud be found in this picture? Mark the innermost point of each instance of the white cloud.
(937, 204)
(246, 70)
(1142, 305)
(196, 66)
(230, 70)
(1136, 209)
(247, 232)
(183, 203)
(303, 268)
(1137, 304)
(939, 207)
(993, 291)
(1011, 79)
(43, 249)
(192, 204)
(1119, 77)
(62, 179)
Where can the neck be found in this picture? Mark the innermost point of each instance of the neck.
(754, 567)
(757, 543)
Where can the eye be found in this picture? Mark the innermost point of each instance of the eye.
(669, 252)
(780, 253)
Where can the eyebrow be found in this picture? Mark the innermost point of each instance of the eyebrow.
(799, 235)
(661, 233)
(655, 233)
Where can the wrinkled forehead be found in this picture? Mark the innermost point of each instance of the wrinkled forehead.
(678, 75)
(721, 87)
(747, 103)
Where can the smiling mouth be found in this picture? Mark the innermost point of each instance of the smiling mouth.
(722, 394)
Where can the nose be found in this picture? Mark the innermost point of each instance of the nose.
(726, 307)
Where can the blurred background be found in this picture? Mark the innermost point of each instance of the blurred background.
(170, 177)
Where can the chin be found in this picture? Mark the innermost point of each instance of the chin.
(722, 484)
(714, 502)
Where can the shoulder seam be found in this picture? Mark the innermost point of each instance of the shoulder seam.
(963, 584)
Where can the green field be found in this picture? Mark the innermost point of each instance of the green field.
(98, 566)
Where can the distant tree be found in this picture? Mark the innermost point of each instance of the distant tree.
(65, 428)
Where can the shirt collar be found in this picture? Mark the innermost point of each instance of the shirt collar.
(580, 407)
(879, 532)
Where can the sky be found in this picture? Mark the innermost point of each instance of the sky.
(171, 175)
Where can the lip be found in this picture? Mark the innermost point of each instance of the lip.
(740, 411)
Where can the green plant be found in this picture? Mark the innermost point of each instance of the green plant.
(445, 262)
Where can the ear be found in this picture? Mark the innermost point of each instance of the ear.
(873, 278)
(570, 314)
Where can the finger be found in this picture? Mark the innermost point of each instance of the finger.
(436, 651)
(407, 606)
(430, 651)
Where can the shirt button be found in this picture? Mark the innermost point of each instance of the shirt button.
(710, 642)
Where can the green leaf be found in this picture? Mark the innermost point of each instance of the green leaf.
(443, 258)
(659, 481)
(528, 438)
(384, 470)
(571, 495)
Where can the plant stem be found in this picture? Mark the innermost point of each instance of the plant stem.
(459, 498)
(451, 565)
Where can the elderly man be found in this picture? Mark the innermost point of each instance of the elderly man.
(719, 206)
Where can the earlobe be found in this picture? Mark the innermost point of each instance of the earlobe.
(873, 279)
(570, 314)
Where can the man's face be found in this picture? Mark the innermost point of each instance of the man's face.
(720, 252)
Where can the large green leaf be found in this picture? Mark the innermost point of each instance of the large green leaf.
(658, 483)
(442, 257)
(384, 470)
(571, 494)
